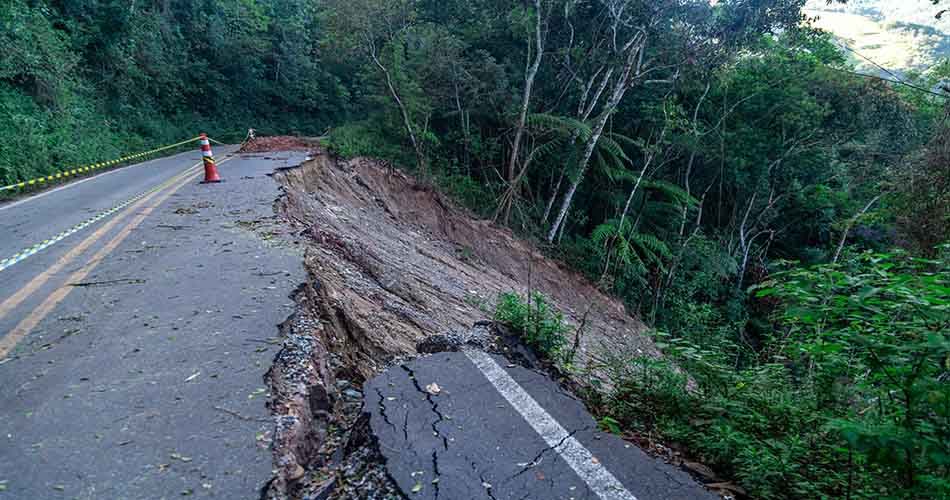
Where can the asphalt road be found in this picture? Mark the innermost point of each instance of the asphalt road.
(132, 352)
(488, 429)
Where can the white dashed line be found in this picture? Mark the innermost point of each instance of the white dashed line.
(590, 470)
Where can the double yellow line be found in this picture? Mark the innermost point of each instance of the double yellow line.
(147, 205)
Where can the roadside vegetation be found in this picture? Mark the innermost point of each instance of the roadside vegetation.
(89, 80)
(778, 220)
(847, 397)
(537, 324)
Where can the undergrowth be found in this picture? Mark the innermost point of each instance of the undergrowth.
(849, 398)
(538, 324)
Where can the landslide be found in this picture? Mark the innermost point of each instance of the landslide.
(404, 262)
(392, 262)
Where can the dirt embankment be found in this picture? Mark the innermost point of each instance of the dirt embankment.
(392, 262)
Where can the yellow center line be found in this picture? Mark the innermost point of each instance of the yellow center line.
(14, 300)
(8, 342)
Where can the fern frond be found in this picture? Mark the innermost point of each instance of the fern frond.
(670, 191)
(651, 243)
(613, 148)
(563, 125)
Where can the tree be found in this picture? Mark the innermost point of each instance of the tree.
(532, 64)
(372, 28)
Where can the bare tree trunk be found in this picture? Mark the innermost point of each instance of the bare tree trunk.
(553, 198)
(636, 185)
(584, 108)
(514, 179)
(407, 123)
(634, 61)
(692, 159)
(463, 121)
(743, 244)
(851, 223)
(659, 297)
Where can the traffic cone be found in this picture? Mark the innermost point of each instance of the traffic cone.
(211, 170)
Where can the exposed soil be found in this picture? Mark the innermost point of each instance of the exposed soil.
(393, 263)
(277, 143)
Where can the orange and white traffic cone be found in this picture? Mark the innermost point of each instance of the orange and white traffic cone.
(211, 170)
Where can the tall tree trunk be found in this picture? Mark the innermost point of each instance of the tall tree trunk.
(407, 123)
(556, 191)
(634, 61)
(531, 71)
(584, 108)
(851, 223)
(636, 185)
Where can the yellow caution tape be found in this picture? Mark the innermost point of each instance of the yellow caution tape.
(33, 250)
(89, 168)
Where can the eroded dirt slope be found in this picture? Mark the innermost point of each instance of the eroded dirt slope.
(407, 263)
(392, 262)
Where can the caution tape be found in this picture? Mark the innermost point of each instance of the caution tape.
(89, 168)
(25, 254)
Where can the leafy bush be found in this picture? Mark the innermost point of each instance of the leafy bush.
(467, 191)
(539, 325)
(849, 398)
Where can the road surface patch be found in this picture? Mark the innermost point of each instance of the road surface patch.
(9, 341)
(110, 409)
(498, 431)
(588, 467)
(33, 250)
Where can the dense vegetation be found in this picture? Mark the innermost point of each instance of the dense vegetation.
(777, 218)
(88, 80)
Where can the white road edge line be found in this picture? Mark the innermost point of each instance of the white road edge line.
(592, 472)
(82, 181)
(31, 251)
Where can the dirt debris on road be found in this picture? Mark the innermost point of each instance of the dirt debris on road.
(392, 263)
(266, 144)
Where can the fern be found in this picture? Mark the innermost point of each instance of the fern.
(562, 125)
(670, 191)
(613, 148)
(632, 249)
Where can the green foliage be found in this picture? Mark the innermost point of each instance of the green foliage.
(847, 399)
(88, 80)
(882, 324)
(365, 139)
(632, 250)
(539, 325)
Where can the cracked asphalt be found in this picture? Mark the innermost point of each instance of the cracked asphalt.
(467, 440)
(145, 381)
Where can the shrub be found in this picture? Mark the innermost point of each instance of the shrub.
(848, 398)
(538, 324)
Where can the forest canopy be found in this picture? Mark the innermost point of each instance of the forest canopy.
(777, 218)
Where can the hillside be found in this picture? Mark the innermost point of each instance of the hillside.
(903, 36)
(760, 236)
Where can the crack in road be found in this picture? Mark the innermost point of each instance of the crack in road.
(435, 469)
(485, 484)
(382, 408)
(537, 459)
(432, 403)
(507, 451)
